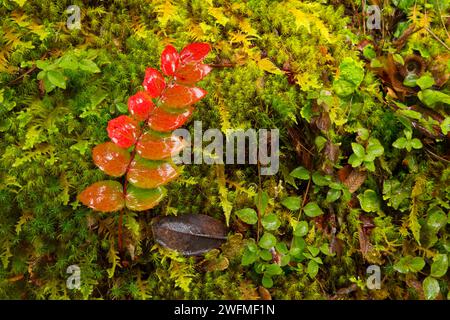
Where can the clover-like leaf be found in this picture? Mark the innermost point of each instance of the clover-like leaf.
(153, 83)
(140, 105)
(154, 146)
(138, 199)
(111, 158)
(104, 196)
(123, 131)
(149, 174)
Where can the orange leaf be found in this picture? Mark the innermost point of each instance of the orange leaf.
(111, 159)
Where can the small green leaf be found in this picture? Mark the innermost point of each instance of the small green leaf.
(333, 195)
(301, 229)
(358, 150)
(266, 255)
(312, 210)
(267, 282)
(425, 82)
(273, 270)
(300, 173)
(267, 241)
(270, 222)
(439, 266)
(430, 288)
(369, 201)
(312, 268)
(400, 143)
(89, 66)
(56, 78)
(416, 143)
(432, 97)
(320, 180)
(247, 215)
(292, 203)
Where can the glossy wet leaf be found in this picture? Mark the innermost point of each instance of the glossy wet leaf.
(270, 222)
(111, 158)
(153, 83)
(156, 147)
(312, 210)
(300, 173)
(430, 288)
(191, 73)
(104, 196)
(191, 234)
(138, 199)
(170, 59)
(123, 131)
(140, 105)
(179, 96)
(292, 203)
(267, 241)
(194, 52)
(439, 266)
(149, 174)
(301, 229)
(369, 201)
(247, 215)
(164, 120)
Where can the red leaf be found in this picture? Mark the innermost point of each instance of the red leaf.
(111, 158)
(123, 131)
(105, 196)
(154, 82)
(152, 147)
(149, 174)
(140, 105)
(170, 60)
(138, 199)
(194, 52)
(191, 73)
(178, 96)
(163, 120)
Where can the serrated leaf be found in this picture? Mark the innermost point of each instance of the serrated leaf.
(111, 159)
(191, 73)
(104, 196)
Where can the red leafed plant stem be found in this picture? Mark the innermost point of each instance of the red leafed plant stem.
(164, 105)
